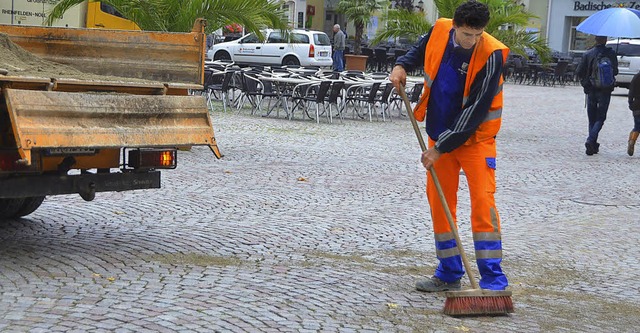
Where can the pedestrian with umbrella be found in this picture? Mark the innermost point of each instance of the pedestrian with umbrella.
(597, 71)
(599, 65)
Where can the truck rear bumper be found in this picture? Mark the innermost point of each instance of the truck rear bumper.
(32, 186)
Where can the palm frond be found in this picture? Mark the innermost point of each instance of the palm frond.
(359, 12)
(508, 13)
(179, 15)
(61, 7)
(446, 8)
(402, 23)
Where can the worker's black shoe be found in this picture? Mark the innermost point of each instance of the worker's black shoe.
(434, 284)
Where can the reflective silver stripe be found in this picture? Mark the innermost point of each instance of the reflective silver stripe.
(448, 253)
(427, 80)
(492, 115)
(494, 219)
(486, 236)
(488, 254)
(444, 237)
(499, 90)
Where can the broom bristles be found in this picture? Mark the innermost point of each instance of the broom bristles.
(456, 305)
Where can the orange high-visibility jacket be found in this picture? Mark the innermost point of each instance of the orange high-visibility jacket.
(486, 46)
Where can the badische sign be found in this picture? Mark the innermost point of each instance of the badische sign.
(600, 5)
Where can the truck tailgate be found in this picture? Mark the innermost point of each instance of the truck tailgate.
(51, 119)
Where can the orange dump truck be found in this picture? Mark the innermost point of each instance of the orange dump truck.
(91, 110)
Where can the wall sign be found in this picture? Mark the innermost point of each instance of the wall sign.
(595, 6)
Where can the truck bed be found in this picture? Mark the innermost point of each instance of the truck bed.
(124, 89)
(157, 56)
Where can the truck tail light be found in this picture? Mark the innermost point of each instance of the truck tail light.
(153, 158)
(312, 51)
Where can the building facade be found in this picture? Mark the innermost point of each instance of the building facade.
(556, 20)
(564, 17)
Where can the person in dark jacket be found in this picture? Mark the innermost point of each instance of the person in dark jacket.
(634, 106)
(597, 98)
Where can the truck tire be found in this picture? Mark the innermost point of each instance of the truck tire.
(9, 207)
(29, 206)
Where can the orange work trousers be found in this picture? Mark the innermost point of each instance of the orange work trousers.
(478, 163)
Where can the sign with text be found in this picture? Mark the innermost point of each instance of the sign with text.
(596, 6)
(34, 12)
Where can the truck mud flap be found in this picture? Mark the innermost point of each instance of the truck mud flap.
(51, 119)
(84, 184)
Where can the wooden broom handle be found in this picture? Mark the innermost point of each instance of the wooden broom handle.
(443, 200)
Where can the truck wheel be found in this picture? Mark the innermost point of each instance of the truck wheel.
(29, 206)
(222, 55)
(290, 61)
(9, 207)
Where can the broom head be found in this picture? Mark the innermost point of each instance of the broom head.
(478, 302)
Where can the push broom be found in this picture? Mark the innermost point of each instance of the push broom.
(474, 301)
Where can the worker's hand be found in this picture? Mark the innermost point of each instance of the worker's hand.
(398, 77)
(429, 157)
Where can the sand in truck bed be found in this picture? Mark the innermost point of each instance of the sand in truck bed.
(20, 62)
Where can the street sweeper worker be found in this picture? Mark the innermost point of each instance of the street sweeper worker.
(462, 105)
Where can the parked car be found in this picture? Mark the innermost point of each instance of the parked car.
(297, 47)
(628, 59)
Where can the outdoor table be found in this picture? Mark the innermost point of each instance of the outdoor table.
(282, 84)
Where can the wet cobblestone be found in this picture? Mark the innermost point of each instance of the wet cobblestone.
(305, 228)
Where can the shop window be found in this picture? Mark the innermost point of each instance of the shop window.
(579, 41)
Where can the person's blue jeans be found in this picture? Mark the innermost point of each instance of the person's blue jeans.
(597, 106)
(636, 123)
(338, 60)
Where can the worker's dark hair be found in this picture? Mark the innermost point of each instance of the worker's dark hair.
(472, 14)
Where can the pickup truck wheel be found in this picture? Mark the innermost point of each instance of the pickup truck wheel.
(29, 206)
(9, 207)
(290, 61)
(222, 55)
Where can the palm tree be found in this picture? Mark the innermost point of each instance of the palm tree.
(359, 12)
(179, 15)
(402, 23)
(504, 13)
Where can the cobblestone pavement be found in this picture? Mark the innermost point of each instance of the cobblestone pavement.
(306, 227)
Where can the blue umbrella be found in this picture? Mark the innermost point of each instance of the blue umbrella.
(612, 22)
